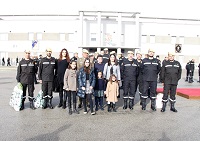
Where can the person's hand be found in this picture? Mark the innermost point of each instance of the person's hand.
(91, 87)
(67, 89)
(83, 88)
(40, 81)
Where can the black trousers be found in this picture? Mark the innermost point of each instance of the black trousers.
(89, 98)
(169, 88)
(73, 95)
(61, 92)
(139, 83)
(187, 73)
(47, 88)
(30, 91)
(149, 85)
(129, 88)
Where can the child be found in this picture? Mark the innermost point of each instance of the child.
(112, 91)
(99, 91)
(70, 85)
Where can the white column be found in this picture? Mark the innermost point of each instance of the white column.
(80, 33)
(119, 29)
(98, 39)
(137, 26)
(98, 49)
(118, 50)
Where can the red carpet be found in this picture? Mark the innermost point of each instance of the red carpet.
(189, 93)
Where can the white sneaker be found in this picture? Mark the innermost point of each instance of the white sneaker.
(93, 113)
(84, 113)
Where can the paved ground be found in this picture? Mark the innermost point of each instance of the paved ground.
(56, 124)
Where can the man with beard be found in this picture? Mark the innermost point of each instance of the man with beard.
(25, 75)
(47, 72)
(150, 70)
(170, 75)
(130, 73)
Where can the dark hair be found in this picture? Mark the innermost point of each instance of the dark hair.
(110, 79)
(99, 56)
(109, 62)
(87, 69)
(69, 66)
(100, 72)
(67, 55)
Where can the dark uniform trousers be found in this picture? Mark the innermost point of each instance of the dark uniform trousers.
(47, 88)
(172, 89)
(140, 84)
(129, 93)
(152, 85)
(30, 91)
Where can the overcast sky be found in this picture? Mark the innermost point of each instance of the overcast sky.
(152, 8)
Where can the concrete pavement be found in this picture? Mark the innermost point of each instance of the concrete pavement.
(56, 124)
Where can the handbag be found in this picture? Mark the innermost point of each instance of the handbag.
(81, 93)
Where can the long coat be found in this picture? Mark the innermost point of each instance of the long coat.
(112, 91)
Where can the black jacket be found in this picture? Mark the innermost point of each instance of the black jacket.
(171, 72)
(191, 66)
(130, 69)
(26, 71)
(105, 58)
(150, 69)
(47, 69)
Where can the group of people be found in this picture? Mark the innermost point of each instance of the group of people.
(100, 76)
(8, 61)
(190, 67)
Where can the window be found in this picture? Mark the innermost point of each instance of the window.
(31, 36)
(144, 39)
(152, 39)
(173, 39)
(181, 39)
(39, 36)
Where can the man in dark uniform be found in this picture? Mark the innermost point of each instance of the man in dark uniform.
(47, 72)
(139, 78)
(150, 70)
(25, 75)
(75, 57)
(106, 56)
(129, 72)
(191, 71)
(199, 73)
(170, 75)
(187, 71)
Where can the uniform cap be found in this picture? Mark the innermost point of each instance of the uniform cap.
(171, 53)
(151, 50)
(105, 48)
(85, 51)
(130, 52)
(138, 52)
(49, 49)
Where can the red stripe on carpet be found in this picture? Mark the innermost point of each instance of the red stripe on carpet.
(189, 93)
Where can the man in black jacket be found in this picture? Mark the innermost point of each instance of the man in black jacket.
(129, 72)
(191, 71)
(47, 72)
(150, 70)
(170, 75)
(25, 75)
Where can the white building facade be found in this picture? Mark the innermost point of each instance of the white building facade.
(96, 30)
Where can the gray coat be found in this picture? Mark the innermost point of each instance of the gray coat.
(116, 71)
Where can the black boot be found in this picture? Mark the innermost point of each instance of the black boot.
(172, 107)
(164, 107)
(143, 103)
(61, 100)
(50, 103)
(74, 109)
(125, 103)
(44, 105)
(70, 111)
(114, 108)
(153, 104)
(109, 110)
(64, 101)
(186, 79)
(32, 105)
(131, 103)
(22, 106)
